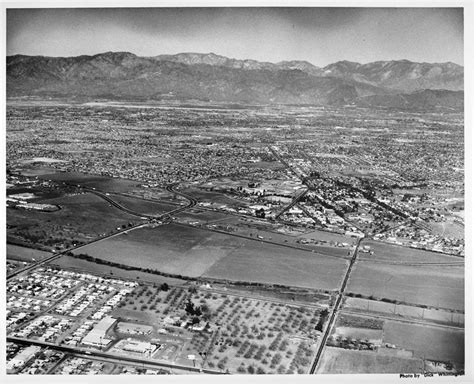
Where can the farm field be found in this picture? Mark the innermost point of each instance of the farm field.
(265, 263)
(424, 285)
(240, 335)
(398, 254)
(170, 248)
(81, 218)
(16, 252)
(433, 314)
(338, 360)
(190, 251)
(432, 343)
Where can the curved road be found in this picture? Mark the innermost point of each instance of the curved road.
(105, 196)
(192, 203)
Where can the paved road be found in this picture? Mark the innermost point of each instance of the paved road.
(192, 200)
(92, 353)
(292, 204)
(105, 196)
(334, 311)
(62, 253)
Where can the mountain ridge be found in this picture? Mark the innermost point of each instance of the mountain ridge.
(215, 77)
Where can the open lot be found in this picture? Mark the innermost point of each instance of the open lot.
(449, 228)
(16, 252)
(214, 197)
(433, 343)
(437, 286)
(147, 207)
(81, 218)
(359, 333)
(201, 215)
(103, 183)
(338, 360)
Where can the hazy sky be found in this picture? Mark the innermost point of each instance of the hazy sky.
(318, 35)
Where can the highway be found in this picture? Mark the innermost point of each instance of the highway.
(112, 202)
(105, 196)
(334, 312)
(119, 358)
(292, 204)
(62, 253)
(192, 200)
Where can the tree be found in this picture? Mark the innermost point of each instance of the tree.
(260, 213)
(164, 287)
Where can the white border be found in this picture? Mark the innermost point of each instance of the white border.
(469, 163)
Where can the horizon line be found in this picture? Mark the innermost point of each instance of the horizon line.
(231, 58)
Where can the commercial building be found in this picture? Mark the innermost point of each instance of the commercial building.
(97, 336)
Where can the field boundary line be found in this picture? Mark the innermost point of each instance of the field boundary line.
(402, 319)
(261, 241)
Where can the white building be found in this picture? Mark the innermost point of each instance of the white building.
(96, 337)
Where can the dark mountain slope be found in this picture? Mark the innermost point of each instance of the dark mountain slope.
(126, 75)
(123, 75)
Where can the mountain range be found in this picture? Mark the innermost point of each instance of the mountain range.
(210, 77)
